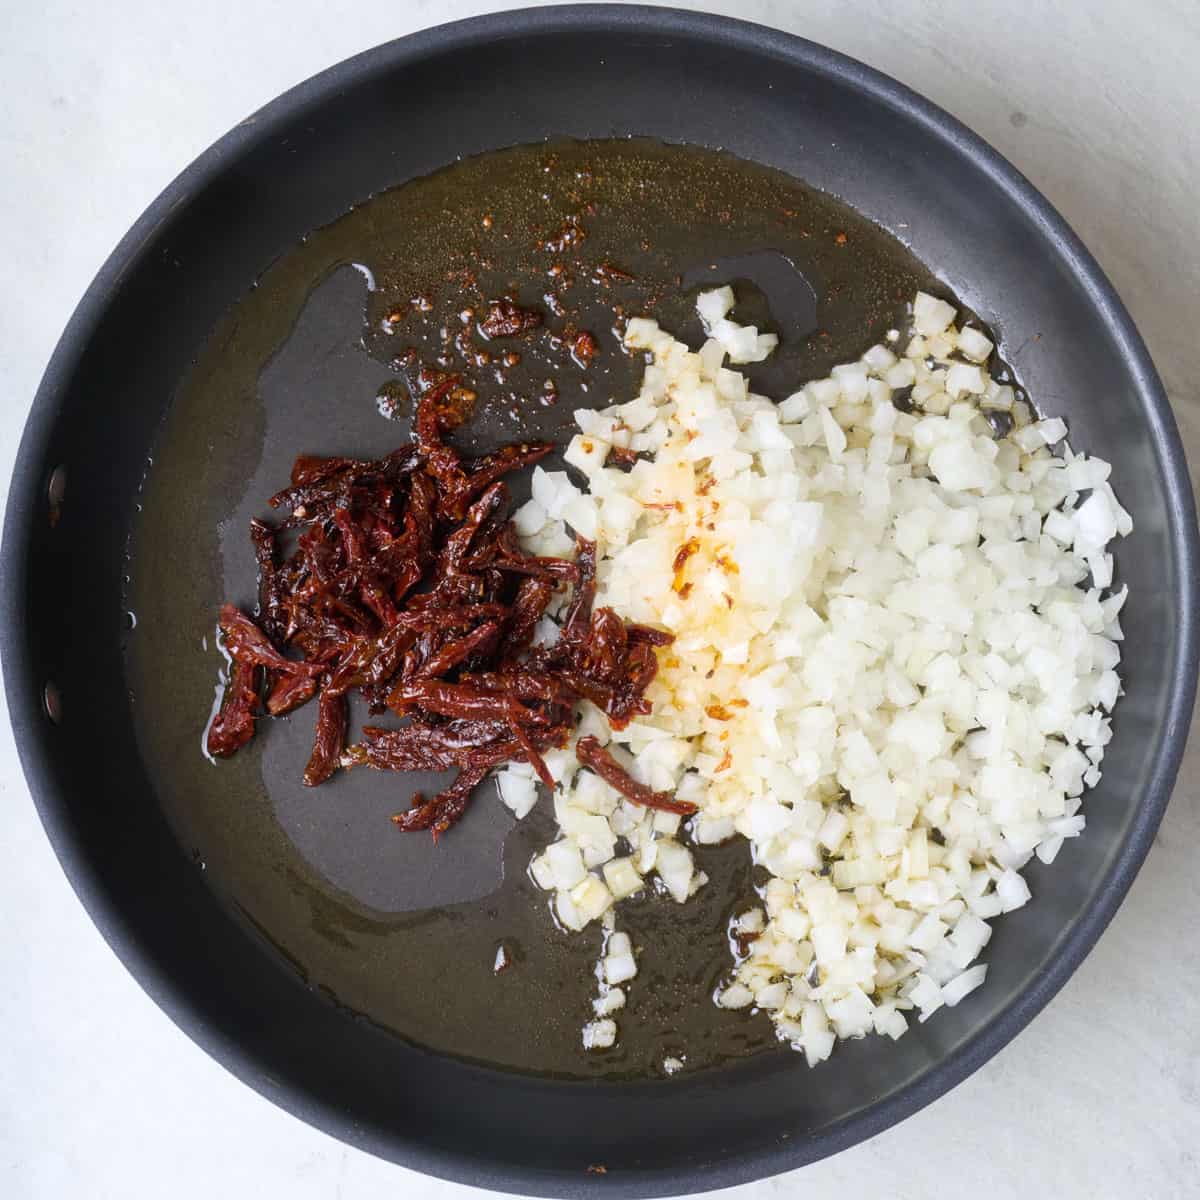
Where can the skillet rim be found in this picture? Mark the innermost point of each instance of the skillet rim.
(23, 684)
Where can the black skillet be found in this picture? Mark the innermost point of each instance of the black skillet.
(292, 933)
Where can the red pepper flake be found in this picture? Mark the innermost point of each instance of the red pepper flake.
(569, 235)
(506, 318)
(841, 238)
(584, 349)
(622, 456)
(597, 1169)
(606, 275)
(744, 939)
(681, 560)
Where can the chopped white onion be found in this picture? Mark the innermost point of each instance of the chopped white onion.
(962, 985)
(893, 665)
(599, 1035)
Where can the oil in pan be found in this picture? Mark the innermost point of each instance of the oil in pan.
(320, 356)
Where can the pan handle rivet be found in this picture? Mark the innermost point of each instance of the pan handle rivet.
(56, 491)
(52, 699)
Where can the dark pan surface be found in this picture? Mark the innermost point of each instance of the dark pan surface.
(393, 928)
(104, 782)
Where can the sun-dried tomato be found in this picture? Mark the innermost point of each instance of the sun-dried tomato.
(593, 755)
(407, 582)
(233, 724)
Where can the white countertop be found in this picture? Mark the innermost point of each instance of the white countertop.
(100, 1095)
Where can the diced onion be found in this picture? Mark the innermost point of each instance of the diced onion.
(893, 665)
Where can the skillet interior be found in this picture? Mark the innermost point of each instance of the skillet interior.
(400, 112)
(394, 928)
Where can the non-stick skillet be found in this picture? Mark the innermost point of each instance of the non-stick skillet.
(115, 775)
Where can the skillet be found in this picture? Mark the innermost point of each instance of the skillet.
(108, 768)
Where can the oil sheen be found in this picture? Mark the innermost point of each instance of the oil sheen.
(318, 357)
